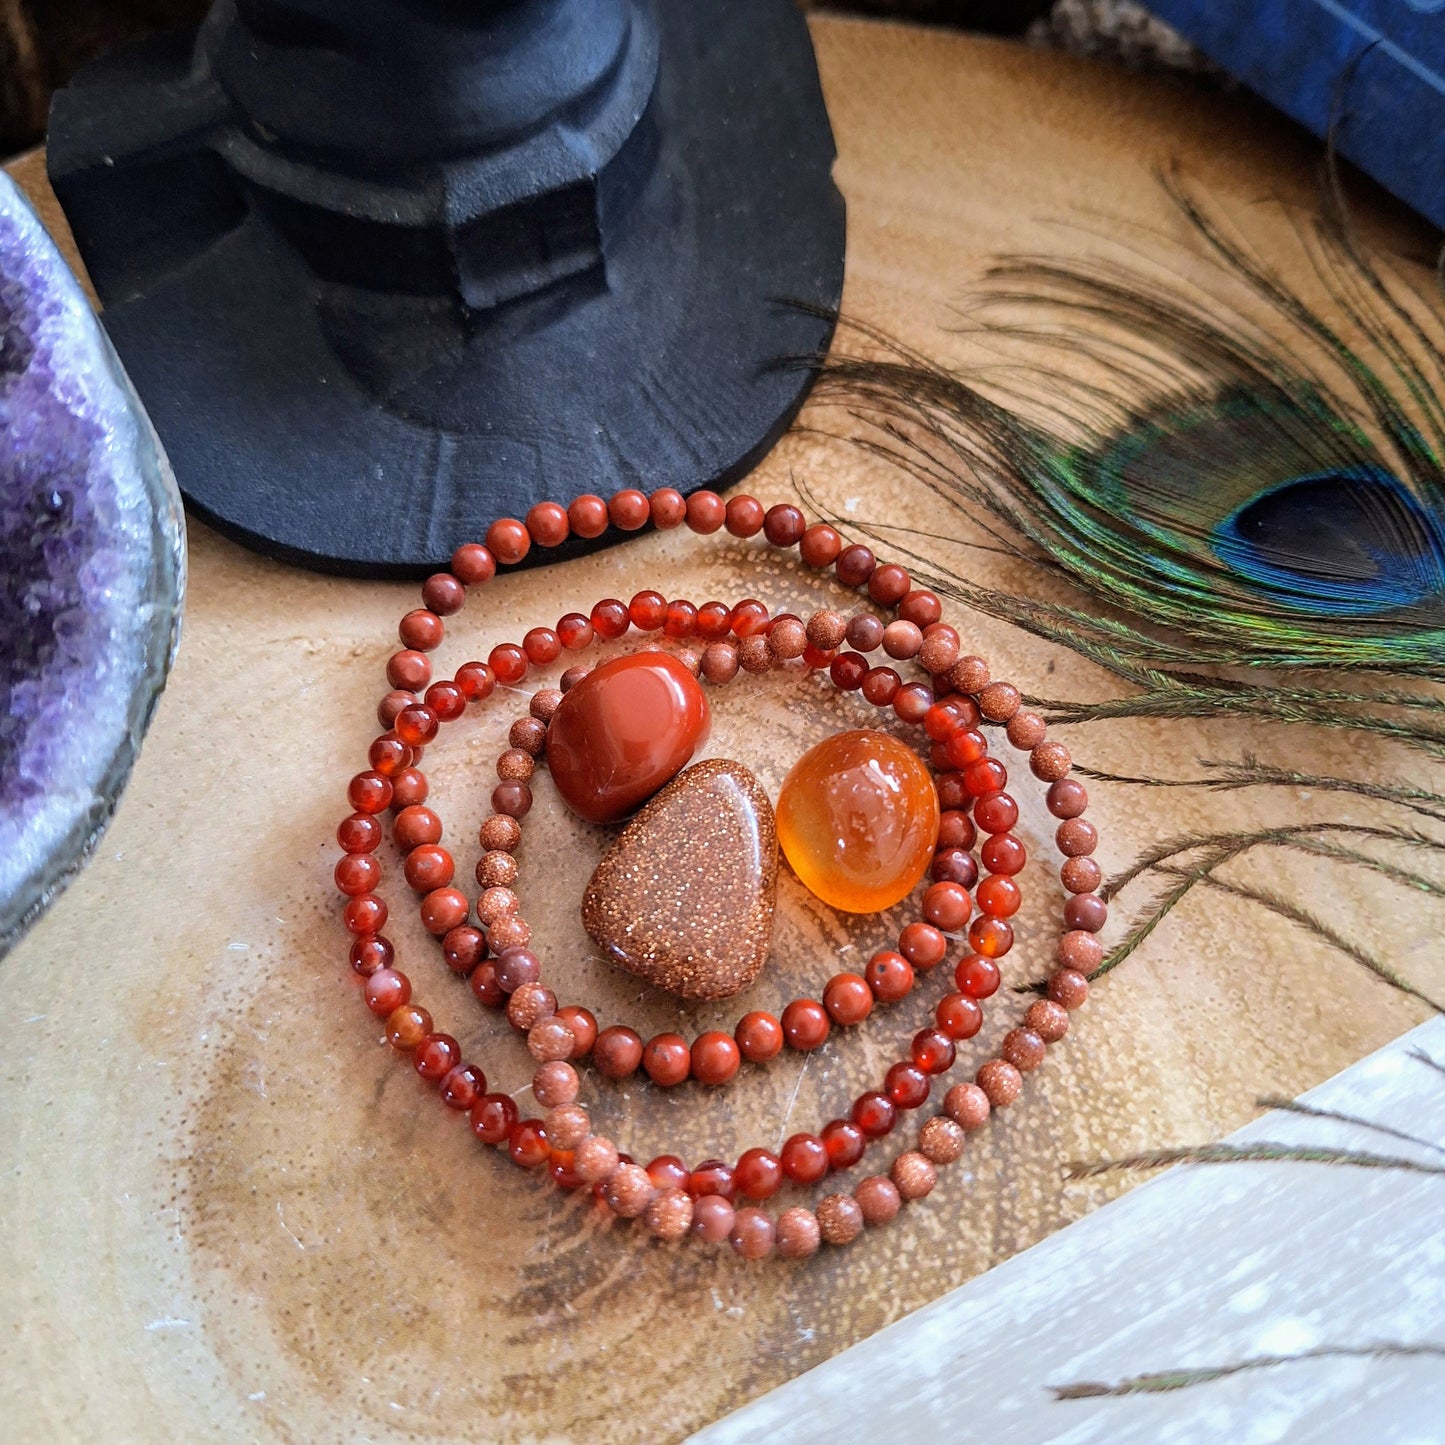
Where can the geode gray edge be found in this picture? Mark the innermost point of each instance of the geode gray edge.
(92, 548)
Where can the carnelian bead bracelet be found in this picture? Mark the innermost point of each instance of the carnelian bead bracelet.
(673, 1200)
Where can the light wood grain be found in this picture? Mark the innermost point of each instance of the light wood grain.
(1206, 1267)
(231, 1214)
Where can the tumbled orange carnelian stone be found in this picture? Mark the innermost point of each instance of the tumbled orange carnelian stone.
(858, 820)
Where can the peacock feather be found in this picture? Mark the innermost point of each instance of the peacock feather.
(1270, 492)
(1248, 488)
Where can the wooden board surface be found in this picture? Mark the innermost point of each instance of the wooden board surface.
(1205, 1268)
(230, 1213)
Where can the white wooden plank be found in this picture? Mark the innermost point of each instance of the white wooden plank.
(1204, 1266)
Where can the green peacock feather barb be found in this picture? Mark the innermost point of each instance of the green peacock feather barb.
(1252, 484)
(1231, 492)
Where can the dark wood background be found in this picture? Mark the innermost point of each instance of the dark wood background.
(42, 42)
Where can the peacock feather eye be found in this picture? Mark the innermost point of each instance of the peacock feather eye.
(1266, 489)
(1350, 543)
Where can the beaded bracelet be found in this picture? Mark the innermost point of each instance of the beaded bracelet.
(556, 1033)
(436, 1056)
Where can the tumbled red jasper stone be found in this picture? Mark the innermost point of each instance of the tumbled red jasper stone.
(629, 727)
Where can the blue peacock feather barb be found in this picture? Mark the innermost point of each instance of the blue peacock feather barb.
(1268, 495)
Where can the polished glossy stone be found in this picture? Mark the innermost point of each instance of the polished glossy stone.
(684, 898)
(629, 727)
(858, 820)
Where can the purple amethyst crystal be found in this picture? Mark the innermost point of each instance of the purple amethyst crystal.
(92, 566)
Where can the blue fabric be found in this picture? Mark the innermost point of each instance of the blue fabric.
(1389, 114)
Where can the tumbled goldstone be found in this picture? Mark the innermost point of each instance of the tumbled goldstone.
(684, 898)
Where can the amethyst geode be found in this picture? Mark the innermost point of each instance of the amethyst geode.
(92, 566)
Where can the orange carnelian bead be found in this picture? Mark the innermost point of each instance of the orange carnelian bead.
(749, 618)
(995, 812)
(446, 700)
(475, 681)
(858, 819)
(542, 646)
(804, 1158)
(369, 792)
(610, 619)
(365, 913)
(527, 1144)
(667, 1171)
(712, 1176)
(508, 662)
(906, 1085)
(999, 896)
(991, 937)
(493, 1116)
(844, 1142)
(681, 619)
(416, 725)
(932, 1051)
(357, 873)
(987, 775)
(436, 1056)
(388, 755)
(360, 833)
(874, 1114)
(575, 632)
(1003, 853)
(648, 610)
(463, 1086)
(964, 748)
(758, 1174)
(978, 977)
(386, 991)
(714, 621)
(407, 1026)
(958, 1016)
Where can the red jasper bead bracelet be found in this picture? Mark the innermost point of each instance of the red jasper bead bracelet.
(674, 1200)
